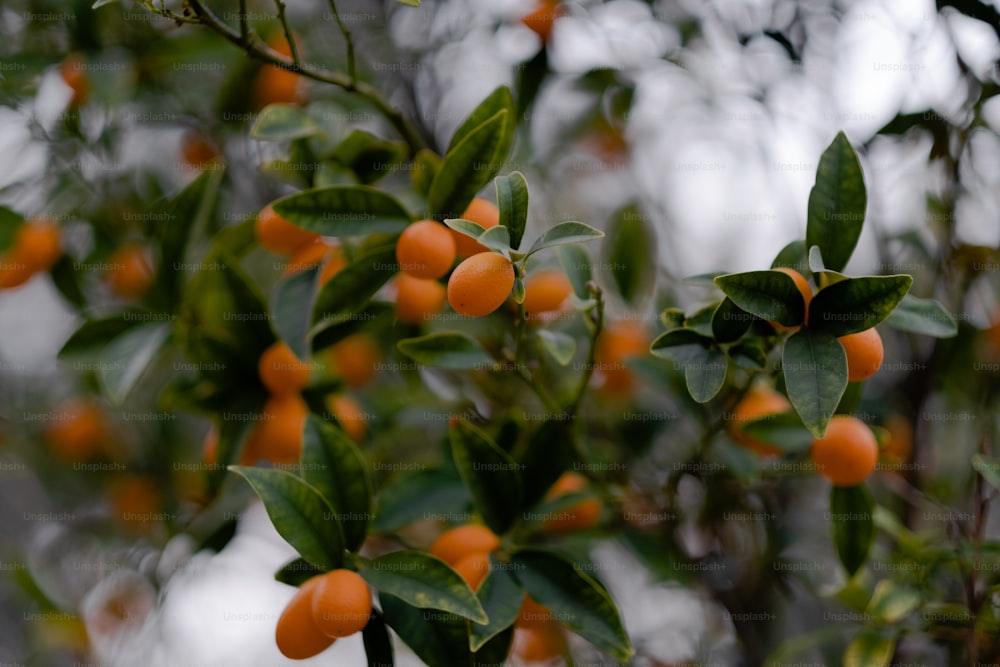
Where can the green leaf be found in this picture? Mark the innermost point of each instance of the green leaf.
(492, 476)
(291, 304)
(782, 431)
(429, 494)
(469, 166)
(424, 168)
(574, 598)
(467, 227)
(67, 280)
(561, 346)
(423, 581)
(283, 122)
(792, 256)
(451, 350)
(351, 288)
(10, 222)
(564, 233)
(548, 455)
(377, 642)
(679, 345)
(869, 649)
(499, 100)
(673, 318)
(988, 468)
(815, 370)
(837, 204)
(296, 572)
(856, 304)
(299, 514)
(95, 334)
(891, 602)
(518, 291)
(922, 316)
(730, 322)
(852, 517)
(411, 3)
(631, 253)
(512, 200)
(496, 238)
(770, 295)
(576, 263)
(344, 210)
(438, 639)
(705, 373)
(748, 354)
(100, 3)
(334, 466)
(369, 156)
(501, 597)
(122, 361)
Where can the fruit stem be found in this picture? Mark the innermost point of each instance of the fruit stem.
(265, 54)
(596, 322)
(244, 22)
(348, 41)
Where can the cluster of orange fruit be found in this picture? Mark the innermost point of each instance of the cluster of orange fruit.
(325, 608)
(36, 249)
(305, 249)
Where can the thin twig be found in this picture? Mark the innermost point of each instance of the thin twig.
(597, 319)
(244, 22)
(289, 37)
(348, 41)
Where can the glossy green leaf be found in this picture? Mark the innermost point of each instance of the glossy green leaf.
(837, 204)
(370, 157)
(451, 350)
(421, 496)
(922, 316)
(783, 431)
(575, 599)
(576, 263)
(680, 346)
(424, 168)
(299, 514)
(512, 200)
(856, 304)
(852, 518)
(423, 581)
(122, 362)
(291, 303)
(548, 455)
(439, 639)
(815, 370)
(95, 334)
(869, 648)
(499, 100)
(792, 256)
(496, 238)
(344, 210)
(770, 295)
(351, 288)
(296, 572)
(377, 642)
(729, 321)
(283, 122)
(469, 166)
(334, 466)
(492, 476)
(501, 596)
(564, 233)
(631, 253)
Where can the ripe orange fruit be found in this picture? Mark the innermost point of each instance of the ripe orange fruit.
(277, 85)
(455, 544)
(298, 636)
(198, 150)
(847, 453)
(545, 292)
(759, 402)
(426, 249)
(541, 19)
(78, 431)
(308, 256)
(341, 604)
(864, 354)
(136, 500)
(579, 516)
(354, 358)
(899, 445)
(334, 264)
(474, 568)
(480, 284)
(532, 614)
(804, 289)
(278, 436)
(538, 644)
(281, 371)
(279, 235)
(37, 244)
(351, 416)
(14, 272)
(418, 300)
(130, 274)
(73, 71)
(483, 212)
(618, 342)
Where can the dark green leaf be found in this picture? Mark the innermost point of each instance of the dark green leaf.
(333, 465)
(815, 370)
(679, 345)
(574, 598)
(837, 204)
(378, 643)
(469, 166)
(499, 100)
(283, 122)
(851, 515)
(67, 281)
(792, 256)
(856, 304)
(705, 373)
(730, 322)
(299, 514)
(425, 166)
(501, 597)
(351, 288)
(369, 156)
(512, 200)
(344, 210)
(782, 431)
(122, 361)
(439, 639)
(291, 304)
(296, 572)
(492, 476)
(770, 295)
(450, 350)
(576, 263)
(922, 316)
(423, 581)
(430, 494)
(95, 334)
(631, 253)
(548, 454)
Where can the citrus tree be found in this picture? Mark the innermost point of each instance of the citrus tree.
(384, 338)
